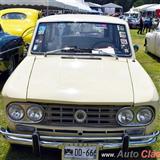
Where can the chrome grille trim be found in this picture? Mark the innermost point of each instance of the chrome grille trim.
(97, 116)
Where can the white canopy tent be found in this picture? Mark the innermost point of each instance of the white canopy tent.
(111, 5)
(77, 5)
(93, 4)
(111, 8)
(24, 2)
(143, 7)
(153, 8)
(81, 5)
(96, 8)
(132, 11)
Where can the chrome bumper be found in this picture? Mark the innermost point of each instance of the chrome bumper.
(59, 141)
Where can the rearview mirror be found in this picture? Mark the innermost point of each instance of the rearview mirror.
(136, 47)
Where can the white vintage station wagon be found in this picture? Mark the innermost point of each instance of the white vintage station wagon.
(80, 89)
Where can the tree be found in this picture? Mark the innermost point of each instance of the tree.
(138, 3)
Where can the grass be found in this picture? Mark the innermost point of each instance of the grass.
(151, 65)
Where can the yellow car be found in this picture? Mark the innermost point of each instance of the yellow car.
(19, 22)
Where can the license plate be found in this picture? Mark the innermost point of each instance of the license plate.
(80, 153)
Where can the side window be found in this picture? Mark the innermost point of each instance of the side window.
(18, 16)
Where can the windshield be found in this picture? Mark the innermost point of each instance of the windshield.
(81, 35)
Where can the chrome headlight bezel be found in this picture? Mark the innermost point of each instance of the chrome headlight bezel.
(38, 107)
(25, 107)
(135, 110)
(15, 105)
(151, 118)
(122, 110)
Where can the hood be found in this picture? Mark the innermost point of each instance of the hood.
(67, 80)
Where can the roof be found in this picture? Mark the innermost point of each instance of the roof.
(111, 5)
(82, 18)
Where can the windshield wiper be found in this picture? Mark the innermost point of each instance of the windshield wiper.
(101, 52)
(59, 50)
(75, 49)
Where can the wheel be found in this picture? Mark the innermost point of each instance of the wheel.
(12, 64)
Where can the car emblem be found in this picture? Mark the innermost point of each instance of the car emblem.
(80, 116)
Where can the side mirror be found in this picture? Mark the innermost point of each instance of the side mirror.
(136, 47)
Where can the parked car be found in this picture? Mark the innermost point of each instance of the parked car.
(83, 90)
(133, 22)
(11, 52)
(19, 22)
(152, 41)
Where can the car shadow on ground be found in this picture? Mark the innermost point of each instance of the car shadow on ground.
(25, 153)
(17, 152)
(154, 57)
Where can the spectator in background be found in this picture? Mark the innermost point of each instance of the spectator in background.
(155, 23)
(146, 24)
(140, 30)
(149, 25)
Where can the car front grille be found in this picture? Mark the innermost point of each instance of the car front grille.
(97, 116)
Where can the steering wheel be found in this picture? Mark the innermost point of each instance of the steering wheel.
(101, 44)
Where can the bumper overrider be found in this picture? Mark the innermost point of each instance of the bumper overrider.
(36, 141)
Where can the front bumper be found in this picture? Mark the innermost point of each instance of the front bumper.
(60, 141)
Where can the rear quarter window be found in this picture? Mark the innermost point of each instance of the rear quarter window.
(18, 16)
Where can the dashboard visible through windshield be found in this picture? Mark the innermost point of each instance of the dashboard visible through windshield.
(81, 36)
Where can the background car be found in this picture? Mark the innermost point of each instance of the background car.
(152, 42)
(11, 52)
(133, 22)
(19, 22)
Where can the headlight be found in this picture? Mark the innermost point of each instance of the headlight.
(145, 116)
(125, 116)
(35, 113)
(15, 112)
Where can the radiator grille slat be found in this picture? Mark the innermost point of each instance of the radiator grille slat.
(97, 116)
